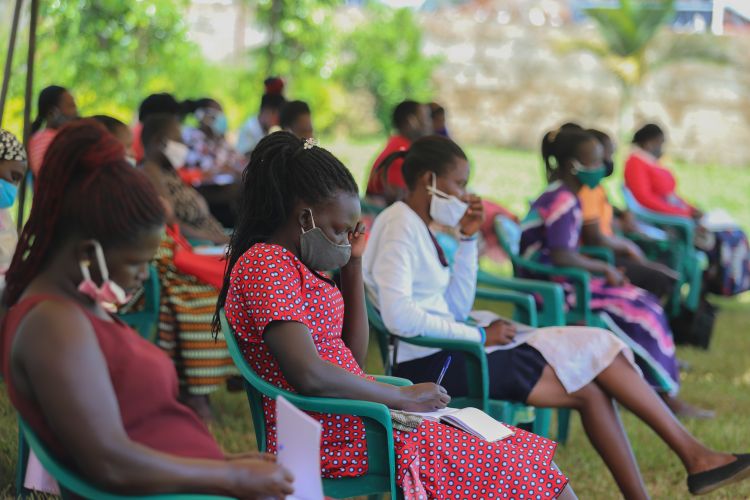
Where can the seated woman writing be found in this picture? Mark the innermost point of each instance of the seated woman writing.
(300, 332)
(102, 399)
(655, 187)
(572, 367)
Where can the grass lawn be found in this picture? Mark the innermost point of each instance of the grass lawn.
(719, 378)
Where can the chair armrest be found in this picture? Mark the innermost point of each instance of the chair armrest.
(551, 311)
(683, 226)
(397, 381)
(522, 300)
(600, 253)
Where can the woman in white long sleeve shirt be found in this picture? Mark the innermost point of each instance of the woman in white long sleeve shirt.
(418, 293)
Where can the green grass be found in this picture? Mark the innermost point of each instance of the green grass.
(719, 378)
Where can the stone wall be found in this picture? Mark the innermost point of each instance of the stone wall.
(507, 84)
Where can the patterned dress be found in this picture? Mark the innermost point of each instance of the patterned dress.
(186, 310)
(554, 223)
(268, 283)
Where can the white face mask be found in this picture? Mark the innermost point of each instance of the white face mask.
(176, 153)
(445, 209)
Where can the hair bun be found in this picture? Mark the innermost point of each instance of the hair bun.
(274, 85)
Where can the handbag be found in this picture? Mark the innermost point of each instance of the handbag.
(695, 327)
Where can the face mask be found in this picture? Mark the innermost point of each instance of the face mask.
(130, 160)
(319, 253)
(109, 295)
(609, 168)
(219, 126)
(176, 153)
(8, 193)
(588, 177)
(445, 209)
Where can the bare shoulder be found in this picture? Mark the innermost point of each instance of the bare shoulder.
(52, 326)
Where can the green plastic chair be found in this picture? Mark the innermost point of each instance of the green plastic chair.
(145, 322)
(71, 483)
(477, 373)
(381, 474)
(683, 257)
(581, 314)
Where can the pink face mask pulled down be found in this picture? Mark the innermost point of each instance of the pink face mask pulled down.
(109, 295)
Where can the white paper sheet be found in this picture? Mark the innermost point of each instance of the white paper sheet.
(298, 439)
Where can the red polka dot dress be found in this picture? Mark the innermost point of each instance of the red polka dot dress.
(269, 283)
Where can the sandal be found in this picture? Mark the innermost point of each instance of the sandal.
(710, 480)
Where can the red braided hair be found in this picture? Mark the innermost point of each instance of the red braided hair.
(85, 188)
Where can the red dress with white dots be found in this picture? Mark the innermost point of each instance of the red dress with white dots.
(269, 283)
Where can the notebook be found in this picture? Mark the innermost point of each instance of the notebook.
(298, 449)
(472, 421)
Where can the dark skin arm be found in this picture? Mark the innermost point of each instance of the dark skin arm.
(356, 332)
(292, 345)
(57, 362)
(592, 235)
(567, 258)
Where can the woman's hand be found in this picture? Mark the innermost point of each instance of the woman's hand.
(254, 478)
(472, 220)
(423, 397)
(500, 332)
(634, 251)
(615, 277)
(358, 240)
(250, 455)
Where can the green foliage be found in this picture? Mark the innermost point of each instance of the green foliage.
(384, 56)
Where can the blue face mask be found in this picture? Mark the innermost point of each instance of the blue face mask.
(8, 193)
(219, 126)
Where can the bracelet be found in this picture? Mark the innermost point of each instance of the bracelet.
(483, 333)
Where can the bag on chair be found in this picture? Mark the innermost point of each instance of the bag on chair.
(695, 327)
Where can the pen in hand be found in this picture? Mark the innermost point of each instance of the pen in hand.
(445, 369)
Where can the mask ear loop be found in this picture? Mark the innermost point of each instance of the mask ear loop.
(313, 222)
(102, 263)
(84, 265)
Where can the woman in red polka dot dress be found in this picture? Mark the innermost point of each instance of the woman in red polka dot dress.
(300, 332)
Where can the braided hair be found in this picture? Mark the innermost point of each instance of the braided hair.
(559, 146)
(85, 188)
(433, 153)
(49, 98)
(282, 171)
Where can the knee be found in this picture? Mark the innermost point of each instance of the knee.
(591, 395)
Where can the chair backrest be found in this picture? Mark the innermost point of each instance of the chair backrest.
(631, 202)
(255, 386)
(381, 334)
(508, 234)
(70, 482)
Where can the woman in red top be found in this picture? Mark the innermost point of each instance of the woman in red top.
(55, 107)
(654, 187)
(301, 332)
(100, 397)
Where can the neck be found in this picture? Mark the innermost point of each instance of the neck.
(571, 182)
(61, 276)
(206, 130)
(287, 237)
(420, 203)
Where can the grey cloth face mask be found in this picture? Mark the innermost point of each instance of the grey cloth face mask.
(319, 253)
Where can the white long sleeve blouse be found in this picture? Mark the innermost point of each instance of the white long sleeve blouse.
(414, 292)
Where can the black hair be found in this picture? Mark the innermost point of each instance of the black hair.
(436, 110)
(647, 132)
(190, 106)
(600, 136)
(433, 153)
(559, 146)
(48, 99)
(159, 103)
(111, 123)
(570, 126)
(291, 111)
(273, 102)
(403, 111)
(155, 127)
(282, 170)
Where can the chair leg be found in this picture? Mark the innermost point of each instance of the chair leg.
(563, 425)
(542, 419)
(22, 461)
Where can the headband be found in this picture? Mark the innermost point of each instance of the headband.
(10, 148)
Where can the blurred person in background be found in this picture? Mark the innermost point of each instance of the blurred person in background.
(151, 105)
(267, 119)
(296, 118)
(12, 171)
(437, 113)
(411, 121)
(55, 107)
(121, 131)
(209, 150)
(655, 187)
